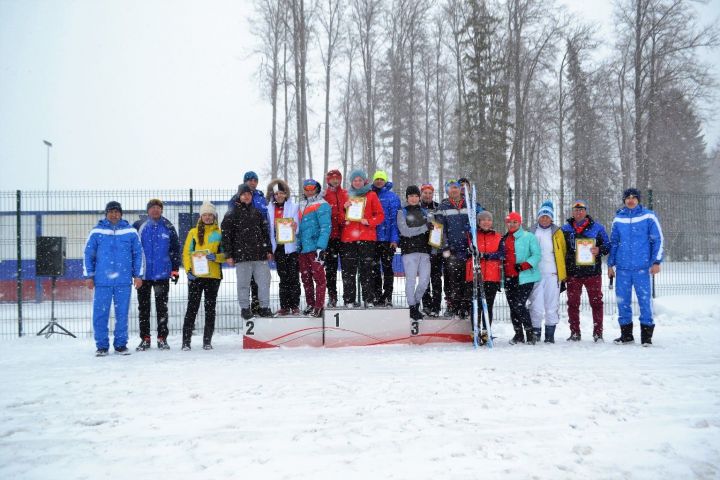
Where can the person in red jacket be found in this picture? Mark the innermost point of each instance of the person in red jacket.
(491, 254)
(336, 197)
(358, 238)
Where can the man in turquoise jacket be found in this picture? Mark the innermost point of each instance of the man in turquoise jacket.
(636, 251)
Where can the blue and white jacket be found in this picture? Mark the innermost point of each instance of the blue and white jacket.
(113, 254)
(456, 227)
(636, 240)
(315, 224)
(290, 210)
(161, 247)
(388, 230)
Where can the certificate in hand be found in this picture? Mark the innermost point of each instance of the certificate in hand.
(200, 263)
(583, 253)
(436, 235)
(356, 210)
(284, 231)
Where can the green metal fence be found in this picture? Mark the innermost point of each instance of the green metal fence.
(689, 224)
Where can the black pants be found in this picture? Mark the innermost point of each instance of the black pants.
(517, 297)
(458, 292)
(288, 270)
(358, 256)
(491, 289)
(161, 288)
(433, 295)
(383, 274)
(196, 288)
(333, 252)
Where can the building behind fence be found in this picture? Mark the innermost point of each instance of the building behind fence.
(689, 222)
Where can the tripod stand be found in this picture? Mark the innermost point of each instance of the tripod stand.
(49, 329)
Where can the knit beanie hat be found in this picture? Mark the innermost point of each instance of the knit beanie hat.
(333, 174)
(451, 183)
(427, 186)
(412, 190)
(113, 205)
(207, 207)
(546, 209)
(484, 215)
(358, 173)
(631, 192)
(153, 202)
(243, 189)
(250, 176)
(380, 175)
(513, 216)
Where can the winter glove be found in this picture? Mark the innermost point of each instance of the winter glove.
(521, 267)
(320, 256)
(211, 257)
(174, 276)
(191, 277)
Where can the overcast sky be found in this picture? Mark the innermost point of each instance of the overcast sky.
(143, 93)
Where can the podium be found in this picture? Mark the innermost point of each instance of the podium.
(354, 328)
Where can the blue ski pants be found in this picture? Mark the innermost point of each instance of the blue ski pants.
(104, 296)
(640, 280)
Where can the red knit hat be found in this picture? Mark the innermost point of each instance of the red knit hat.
(333, 174)
(513, 216)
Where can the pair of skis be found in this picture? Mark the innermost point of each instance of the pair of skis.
(478, 287)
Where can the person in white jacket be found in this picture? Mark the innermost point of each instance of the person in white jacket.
(280, 206)
(545, 296)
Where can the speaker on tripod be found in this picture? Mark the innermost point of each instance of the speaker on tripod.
(50, 262)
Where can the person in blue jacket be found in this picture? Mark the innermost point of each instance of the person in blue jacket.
(113, 263)
(312, 241)
(259, 202)
(636, 252)
(161, 247)
(388, 238)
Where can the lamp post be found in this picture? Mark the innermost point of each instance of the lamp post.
(47, 176)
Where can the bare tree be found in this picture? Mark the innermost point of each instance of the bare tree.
(331, 14)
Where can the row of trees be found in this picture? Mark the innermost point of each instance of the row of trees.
(509, 92)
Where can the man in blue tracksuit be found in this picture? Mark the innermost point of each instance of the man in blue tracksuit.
(388, 238)
(259, 202)
(113, 263)
(636, 252)
(161, 248)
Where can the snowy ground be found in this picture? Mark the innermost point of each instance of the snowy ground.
(550, 411)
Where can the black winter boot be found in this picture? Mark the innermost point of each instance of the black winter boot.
(549, 333)
(626, 335)
(519, 336)
(531, 340)
(414, 312)
(646, 333)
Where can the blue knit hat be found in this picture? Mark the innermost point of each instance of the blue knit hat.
(631, 191)
(358, 173)
(546, 209)
(450, 183)
(250, 176)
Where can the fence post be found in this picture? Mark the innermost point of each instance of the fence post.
(650, 206)
(510, 199)
(19, 265)
(191, 205)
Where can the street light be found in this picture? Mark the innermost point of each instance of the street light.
(47, 176)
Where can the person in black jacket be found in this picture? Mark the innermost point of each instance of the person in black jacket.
(433, 295)
(247, 247)
(412, 221)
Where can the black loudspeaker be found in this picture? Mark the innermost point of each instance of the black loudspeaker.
(50, 256)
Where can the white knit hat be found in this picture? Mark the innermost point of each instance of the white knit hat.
(208, 207)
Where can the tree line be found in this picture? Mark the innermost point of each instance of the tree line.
(510, 93)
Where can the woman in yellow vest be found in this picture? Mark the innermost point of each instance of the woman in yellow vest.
(202, 259)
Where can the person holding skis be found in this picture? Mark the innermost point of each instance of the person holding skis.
(545, 295)
(491, 256)
(387, 240)
(312, 241)
(412, 222)
(280, 207)
(358, 239)
(205, 238)
(335, 196)
(247, 247)
(161, 247)
(520, 266)
(433, 294)
(636, 251)
(113, 263)
(581, 228)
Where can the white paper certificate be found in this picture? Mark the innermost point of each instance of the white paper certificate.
(356, 210)
(583, 251)
(200, 263)
(284, 231)
(436, 235)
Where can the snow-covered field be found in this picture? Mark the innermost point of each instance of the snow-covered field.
(444, 412)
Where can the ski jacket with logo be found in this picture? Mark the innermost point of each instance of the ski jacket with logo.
(456, 226)
(161, 247)
(356, 231)
(636, 239)
(113, 254)
(592, 230)
(315, 224)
